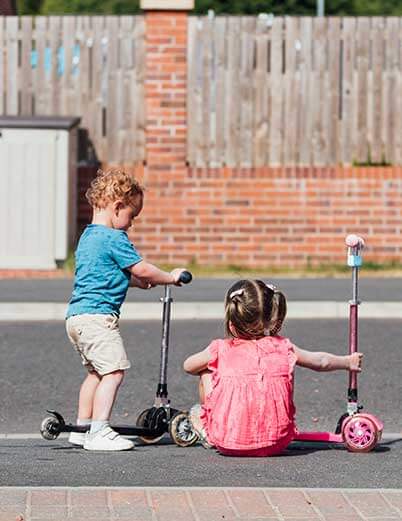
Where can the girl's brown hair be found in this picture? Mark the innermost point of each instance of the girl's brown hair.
(112, 185)
(254, 309)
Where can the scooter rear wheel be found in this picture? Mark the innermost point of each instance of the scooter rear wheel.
(360, 433)
(181, 431)
(50, 428)
(143, 421)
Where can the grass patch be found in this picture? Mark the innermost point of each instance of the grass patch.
(310, 270)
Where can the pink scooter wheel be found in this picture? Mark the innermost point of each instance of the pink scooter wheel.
(360, 433)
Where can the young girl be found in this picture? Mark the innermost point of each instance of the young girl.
(246, 380)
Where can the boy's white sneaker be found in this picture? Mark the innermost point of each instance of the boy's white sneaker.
(107, 439)
(77, 438)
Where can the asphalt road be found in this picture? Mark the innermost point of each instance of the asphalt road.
(39, 370)
(207, 289)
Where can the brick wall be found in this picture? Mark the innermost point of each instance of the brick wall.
(258, 217)
(271, 217)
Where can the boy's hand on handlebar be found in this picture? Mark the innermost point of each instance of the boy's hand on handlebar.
(176, 275)
(355, 362)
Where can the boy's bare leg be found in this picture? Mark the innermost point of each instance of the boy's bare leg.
(86, 397)
(105, 395)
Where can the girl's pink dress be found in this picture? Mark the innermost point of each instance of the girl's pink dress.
(250, 410)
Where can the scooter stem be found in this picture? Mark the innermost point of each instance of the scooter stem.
(162, 386)
(355, 245)
(353, 335)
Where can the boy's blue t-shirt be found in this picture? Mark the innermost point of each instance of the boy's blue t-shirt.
(102, 279)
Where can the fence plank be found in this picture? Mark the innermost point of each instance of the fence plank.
(84, 40)
(39, 70)
(112, 99)
(55, 73)
(320, 139)
(291, 80)
(99, 84)
(362, 53)
(306, 93)
(392, 66)
(205, 128)
(261, 86)
(12, 65)
(334, 30)
(247, 25)
(348, 113)
(276, 130)
(127, 116)
(220, 89)
(26, 68)
(376, 141)
(232, 89)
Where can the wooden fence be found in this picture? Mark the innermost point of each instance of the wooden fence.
(261, 90)
(91, 67)
(294, 91)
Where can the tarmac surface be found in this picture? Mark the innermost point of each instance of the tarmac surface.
(207, 290)
(39, 370)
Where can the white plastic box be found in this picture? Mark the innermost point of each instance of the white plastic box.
(38, 195)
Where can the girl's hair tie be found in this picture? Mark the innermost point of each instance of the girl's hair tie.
(237, 292)
(272, 287)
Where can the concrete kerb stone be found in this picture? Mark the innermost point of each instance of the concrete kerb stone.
(199, 503)
(49, 311)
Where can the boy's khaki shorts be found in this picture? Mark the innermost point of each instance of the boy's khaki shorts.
(97, 339)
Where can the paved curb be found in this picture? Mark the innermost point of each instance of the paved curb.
(199, 504)
(49, 311)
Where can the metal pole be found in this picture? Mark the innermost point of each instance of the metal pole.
(162, 386)
(320, 7)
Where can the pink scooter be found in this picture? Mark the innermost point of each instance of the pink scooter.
(359, 432)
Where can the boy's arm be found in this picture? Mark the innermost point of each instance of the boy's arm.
(138, 283)
(321, 361)
(146, 272)
(198, 362)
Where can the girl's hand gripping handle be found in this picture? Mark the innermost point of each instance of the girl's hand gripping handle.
(355, 245)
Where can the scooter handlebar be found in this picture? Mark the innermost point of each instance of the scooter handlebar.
(185, 277)
(354, 241)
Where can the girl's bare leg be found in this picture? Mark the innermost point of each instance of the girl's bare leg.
(205, 385)
(86, 396)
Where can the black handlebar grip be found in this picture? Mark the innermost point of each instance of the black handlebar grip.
(185, 277)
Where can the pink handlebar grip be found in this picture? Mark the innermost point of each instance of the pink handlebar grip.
(353, 241)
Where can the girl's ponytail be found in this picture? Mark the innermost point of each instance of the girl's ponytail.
(278, 314)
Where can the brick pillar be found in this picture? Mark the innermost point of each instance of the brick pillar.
(165, 86)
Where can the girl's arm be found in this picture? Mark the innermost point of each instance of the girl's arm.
(321, 361)
(198, 362)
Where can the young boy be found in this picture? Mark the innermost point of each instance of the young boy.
(106, 265)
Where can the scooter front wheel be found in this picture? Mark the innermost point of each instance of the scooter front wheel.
(181, 431)
(360, 433)
(143, 420)
(50, 428)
